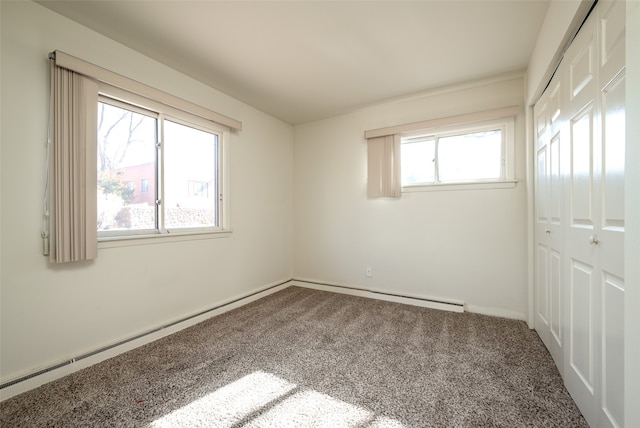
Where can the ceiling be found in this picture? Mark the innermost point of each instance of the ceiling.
(306, 60)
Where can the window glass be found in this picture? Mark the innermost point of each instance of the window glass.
(190, 176)
(466, 157)
(418, 161)
(156, 174)
(126, 155)
(479, 153)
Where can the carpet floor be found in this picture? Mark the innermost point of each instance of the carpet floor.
(304, 357)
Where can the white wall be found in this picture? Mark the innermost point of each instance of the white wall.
(467, 245)
(51, 313)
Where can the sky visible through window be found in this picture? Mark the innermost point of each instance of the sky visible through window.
(455, 158)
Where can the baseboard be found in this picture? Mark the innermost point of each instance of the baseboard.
(496, 312)
(426, 302)
(58, 370)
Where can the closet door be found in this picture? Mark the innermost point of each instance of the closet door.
(549, 208)
(541, 114)
(595, 228)
(554, 232)
(583, 310)
(610, 192)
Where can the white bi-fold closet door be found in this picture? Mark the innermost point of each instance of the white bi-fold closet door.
(579, 188)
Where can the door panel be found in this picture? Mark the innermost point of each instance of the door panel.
(543, 289)
(555, 102)
(612, 350)
(581, 69)
(613, 125)
(555, 291)
(581, 177)
(542, 186)
(612, 34)
(581, 333)
(541, 121)
(555, 181)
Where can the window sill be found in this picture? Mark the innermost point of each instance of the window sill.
(151, 239)
(478, 185)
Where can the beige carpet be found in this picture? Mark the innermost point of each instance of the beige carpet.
(310, 358)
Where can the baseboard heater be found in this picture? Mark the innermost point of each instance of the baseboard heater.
(427, 302)
(131, 339)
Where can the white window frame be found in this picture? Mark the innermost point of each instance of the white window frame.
(507, 178)
(162, 112)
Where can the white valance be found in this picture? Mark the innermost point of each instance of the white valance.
(114, 79)
(445, 121)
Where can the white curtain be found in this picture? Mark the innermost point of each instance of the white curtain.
(73, 172)
(384, 167)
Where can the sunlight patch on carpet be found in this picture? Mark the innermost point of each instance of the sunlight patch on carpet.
(310, 408)
(264, 400)
(229, 404)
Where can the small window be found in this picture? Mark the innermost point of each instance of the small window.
(476, 154)
(176, 162)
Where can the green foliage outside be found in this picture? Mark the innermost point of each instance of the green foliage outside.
(110, 184)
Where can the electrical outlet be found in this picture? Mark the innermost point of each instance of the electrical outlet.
(369, 272)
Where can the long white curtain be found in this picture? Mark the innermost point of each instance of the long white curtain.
(73, 173)
(384, 167)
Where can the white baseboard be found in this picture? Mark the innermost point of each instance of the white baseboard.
(496, 312)
(37, 378)
(425, 302)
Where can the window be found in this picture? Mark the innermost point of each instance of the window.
(480, 153)
(177, 162)
(198, 189)
(133, 148)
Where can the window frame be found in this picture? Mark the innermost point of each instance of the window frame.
(125, 99)
(507, 176)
